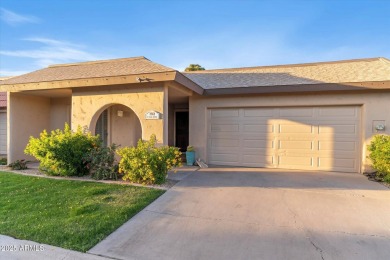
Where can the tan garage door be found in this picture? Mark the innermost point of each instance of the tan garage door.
(309, 138)
(3, 133)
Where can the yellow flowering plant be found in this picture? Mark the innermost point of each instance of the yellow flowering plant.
(146, 163)
(61, 152)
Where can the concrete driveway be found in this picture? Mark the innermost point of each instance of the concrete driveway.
(236, 213)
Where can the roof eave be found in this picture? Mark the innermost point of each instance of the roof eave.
(183, 80)
(89, 82)
(323, 87)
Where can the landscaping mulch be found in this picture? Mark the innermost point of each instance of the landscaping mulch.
(372, 177)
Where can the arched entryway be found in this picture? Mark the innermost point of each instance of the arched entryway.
(117, 124)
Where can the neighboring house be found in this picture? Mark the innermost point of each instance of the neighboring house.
(315, 116)
(3, 121)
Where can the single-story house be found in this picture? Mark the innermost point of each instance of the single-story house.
(313, 116)
(3, 121)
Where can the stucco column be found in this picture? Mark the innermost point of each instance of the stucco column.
(165, 116)
(27, 116)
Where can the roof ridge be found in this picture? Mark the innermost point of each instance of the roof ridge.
(95, 62)
(385, 60)
(290, 65)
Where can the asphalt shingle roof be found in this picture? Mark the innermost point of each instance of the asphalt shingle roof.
(95, 69)
(375, 69)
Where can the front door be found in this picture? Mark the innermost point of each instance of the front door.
(182, 130)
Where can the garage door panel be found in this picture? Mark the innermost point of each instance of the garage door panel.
(257, 153)
(338, 154)
(259, 143)
(338, 129)
(225, 143)
(296, 112)
(231, 113)
(323, 138)
(295, 160)
(335, 112)
(217, 158)
(255, 112)
(225, 128)
(296, 129)
(340, 163)
(295, 145)
(258, 161)
(252, 128)
(337, 145)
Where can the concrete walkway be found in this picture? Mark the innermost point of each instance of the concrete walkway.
(236, 213)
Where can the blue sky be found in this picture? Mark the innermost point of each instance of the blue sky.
(215, 34)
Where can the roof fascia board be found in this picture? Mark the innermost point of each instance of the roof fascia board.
(90, 82)
(183, 80)
(354, 86)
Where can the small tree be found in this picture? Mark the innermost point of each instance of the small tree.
(194, 67)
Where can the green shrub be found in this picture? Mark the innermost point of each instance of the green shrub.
(101, 163)
(18, 165)
(62, 152)
(380, 156)
(3, 161)
(146, 163)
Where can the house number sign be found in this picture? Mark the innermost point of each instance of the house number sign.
(153, 115)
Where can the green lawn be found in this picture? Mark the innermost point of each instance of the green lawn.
(69, 214)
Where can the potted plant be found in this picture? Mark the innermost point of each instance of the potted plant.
(190, 155)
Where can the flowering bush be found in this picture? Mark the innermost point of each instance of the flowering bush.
(146, 163)
(62, 152)
(380, 156)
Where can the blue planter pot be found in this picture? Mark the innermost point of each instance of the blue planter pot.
(190, 157)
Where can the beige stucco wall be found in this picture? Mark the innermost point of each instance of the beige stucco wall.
(87, 104)
(27, 116)
(374, 106)
(59, 112)
(125, 130)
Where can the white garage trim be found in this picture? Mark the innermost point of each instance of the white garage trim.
(308, 138)
(3, 132)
